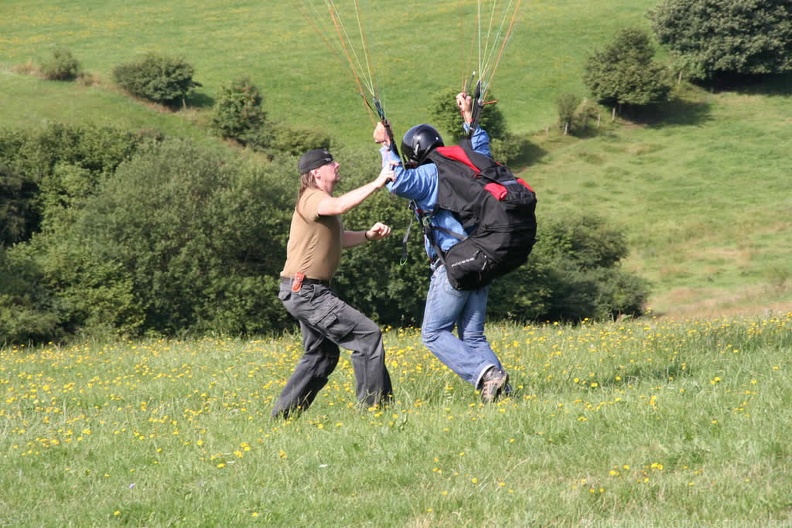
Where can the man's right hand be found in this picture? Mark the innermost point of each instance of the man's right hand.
(465, 104)
(386, 175)
(381, 135)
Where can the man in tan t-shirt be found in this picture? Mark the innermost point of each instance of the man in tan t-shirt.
(316, 238)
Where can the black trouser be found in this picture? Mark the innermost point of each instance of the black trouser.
(327, 322)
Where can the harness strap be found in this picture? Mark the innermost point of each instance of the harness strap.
(403, 260)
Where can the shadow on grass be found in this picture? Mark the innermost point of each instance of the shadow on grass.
(200, 100)
(770, 85)
(677, 112)
(529, 154)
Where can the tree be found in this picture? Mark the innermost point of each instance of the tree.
(238, 114)
(716, 38)
(624, 73)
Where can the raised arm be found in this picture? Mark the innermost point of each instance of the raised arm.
(332, 205)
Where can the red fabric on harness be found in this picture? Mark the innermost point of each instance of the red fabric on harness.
(497, 190)
(457, 153)
(525, 184)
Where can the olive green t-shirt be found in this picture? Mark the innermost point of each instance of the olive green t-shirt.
(314, 246)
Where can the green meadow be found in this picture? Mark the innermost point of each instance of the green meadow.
(635, 423)
(677, 419)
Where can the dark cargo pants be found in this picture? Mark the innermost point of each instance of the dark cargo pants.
(327, 322)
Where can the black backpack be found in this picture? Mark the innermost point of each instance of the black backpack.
(487, 198)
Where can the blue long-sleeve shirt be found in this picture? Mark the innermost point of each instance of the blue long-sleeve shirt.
(421, 184)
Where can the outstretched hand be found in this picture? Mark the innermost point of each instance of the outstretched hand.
(386, 175)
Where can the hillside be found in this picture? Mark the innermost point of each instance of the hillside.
(702, 191)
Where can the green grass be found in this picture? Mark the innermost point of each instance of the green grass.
(649, 423)
(703, 194)
(417, 50)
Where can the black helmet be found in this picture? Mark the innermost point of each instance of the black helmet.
(419, 141)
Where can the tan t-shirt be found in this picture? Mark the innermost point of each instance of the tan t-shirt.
(314, 246)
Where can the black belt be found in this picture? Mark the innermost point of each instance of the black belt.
(288, 280)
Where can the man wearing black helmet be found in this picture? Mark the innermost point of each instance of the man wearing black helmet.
(469, 355)
(316, 238)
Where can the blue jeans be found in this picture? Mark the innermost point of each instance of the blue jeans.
(326, 323)
(469, 354)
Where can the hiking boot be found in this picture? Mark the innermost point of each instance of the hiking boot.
(493, 384)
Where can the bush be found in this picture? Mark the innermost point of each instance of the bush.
(624, 73)
(177, 240)
(164, 80)
(573, 273)
(62, 66)
(45, 170)
(284, 139)
(47, 175)
(446, 118)
(162, 237)
(506, 149)
(238, 114)
(574, 114)
(28, 311)
(19, 217)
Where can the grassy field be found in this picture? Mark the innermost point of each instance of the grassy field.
(638, 423)
(417, 49)
(702, 192)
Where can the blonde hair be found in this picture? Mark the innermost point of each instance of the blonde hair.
(307, 180)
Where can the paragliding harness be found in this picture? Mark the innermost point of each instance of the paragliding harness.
(496, 209)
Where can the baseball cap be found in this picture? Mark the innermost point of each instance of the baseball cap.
(313, 159)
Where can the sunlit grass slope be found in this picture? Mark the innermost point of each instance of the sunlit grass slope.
(702, 192)
(704, 196)
(416, 49)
